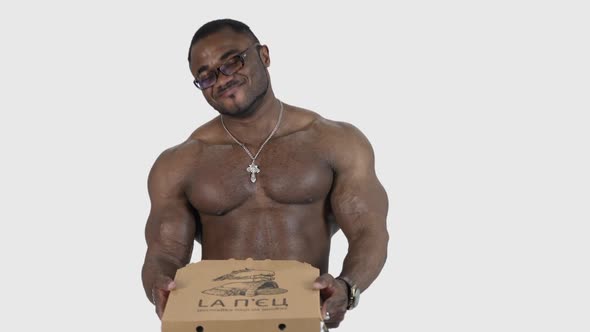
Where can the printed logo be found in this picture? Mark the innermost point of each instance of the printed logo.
(250, 283)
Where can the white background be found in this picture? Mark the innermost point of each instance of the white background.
(477, 111)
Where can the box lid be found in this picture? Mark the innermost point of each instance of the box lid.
(238, 290)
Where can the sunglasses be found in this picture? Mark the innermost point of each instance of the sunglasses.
(228, 68)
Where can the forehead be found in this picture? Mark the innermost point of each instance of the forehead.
(208, 50)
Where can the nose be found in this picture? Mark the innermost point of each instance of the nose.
(222, 79)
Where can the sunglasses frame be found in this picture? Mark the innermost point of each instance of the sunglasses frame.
(242, 58)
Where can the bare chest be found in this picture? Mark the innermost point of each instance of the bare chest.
(290, 172)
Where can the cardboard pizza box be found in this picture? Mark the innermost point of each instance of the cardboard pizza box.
(244, 296)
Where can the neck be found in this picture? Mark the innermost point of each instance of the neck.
(255, 127)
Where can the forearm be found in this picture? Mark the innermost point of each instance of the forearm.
(367, 253)
(157, 265)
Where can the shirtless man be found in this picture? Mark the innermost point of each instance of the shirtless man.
(312, 177)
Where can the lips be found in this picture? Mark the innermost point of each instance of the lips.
(229, 90)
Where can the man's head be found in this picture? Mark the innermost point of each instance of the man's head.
(230, 66)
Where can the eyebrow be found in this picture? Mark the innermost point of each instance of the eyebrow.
(223, 57)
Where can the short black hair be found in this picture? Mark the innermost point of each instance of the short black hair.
(217, 25)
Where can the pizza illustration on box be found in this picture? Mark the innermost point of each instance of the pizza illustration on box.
(248, 282)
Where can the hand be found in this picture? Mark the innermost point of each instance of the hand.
(334, 295)
(160, 292)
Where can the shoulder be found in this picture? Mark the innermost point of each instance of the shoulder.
(340, 142)
(340, 130)
(191, 148)
(181, 157)
(340, 133)
(344, 144)
(172, 167)
(178, 155)
(301, 119)
(207, 133)
(308, 119)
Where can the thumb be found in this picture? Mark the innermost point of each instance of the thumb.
(323, 281)
(165, 283)
(171, 285)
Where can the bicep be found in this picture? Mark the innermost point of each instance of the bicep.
(170, 229)
(171, 225)
(358, 200)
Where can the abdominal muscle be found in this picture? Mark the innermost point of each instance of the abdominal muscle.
(289, 232)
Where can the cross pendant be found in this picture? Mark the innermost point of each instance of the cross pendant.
(253, 169)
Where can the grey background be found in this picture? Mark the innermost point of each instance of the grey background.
(477, 111)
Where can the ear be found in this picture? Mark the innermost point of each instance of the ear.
(264, 55)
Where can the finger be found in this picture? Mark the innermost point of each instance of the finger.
(332, 325)
(324, 281)
(335, 319)
(336, 305)
(324, 312)
(157, 298)
(171, 285)
(328, 309)
(164, 283)
(161, 298)
(162, 287)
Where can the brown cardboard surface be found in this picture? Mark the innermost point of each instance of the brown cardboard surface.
(244, 295)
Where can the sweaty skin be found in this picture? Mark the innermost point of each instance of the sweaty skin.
(316, 176)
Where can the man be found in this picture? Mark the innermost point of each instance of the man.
(264, 179)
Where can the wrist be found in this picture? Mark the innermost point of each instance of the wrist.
(353, 292)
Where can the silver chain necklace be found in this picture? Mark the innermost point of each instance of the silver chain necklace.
(253, 168)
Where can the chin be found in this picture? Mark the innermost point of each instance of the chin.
(235, 105)
(239, 103)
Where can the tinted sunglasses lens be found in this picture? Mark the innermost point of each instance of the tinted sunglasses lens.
(205, 82)
(232, 65)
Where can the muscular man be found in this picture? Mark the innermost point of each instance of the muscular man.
(264, 179)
